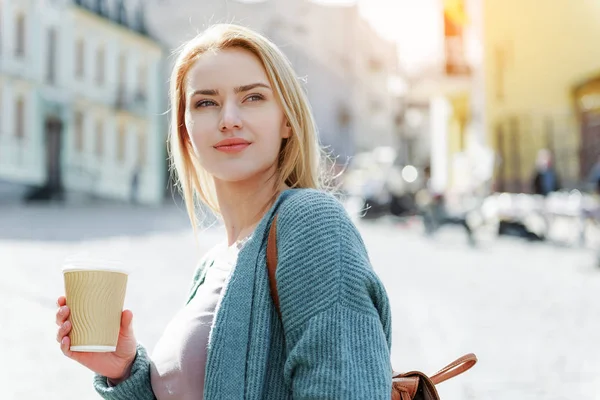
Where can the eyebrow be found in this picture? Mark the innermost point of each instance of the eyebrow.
(239, 89)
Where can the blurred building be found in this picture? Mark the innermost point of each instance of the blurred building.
(444, 111)
(542, 74)
(80, 100)
(345, 64)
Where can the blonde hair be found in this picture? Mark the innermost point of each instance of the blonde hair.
(300, 157)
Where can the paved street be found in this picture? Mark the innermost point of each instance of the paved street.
(529, 311)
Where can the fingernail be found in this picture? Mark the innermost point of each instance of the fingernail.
(65, 325)
(63, 309)
(64, 341)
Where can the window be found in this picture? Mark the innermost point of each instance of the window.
(121, 140)
(142, 82)
(51, 67)
(121, 83)
(100, 61)
(20, 118)
(1, 130)
(122, 69)
(79, 58)
(1, 35)
(500, 71)
(20, 36)
(142, 143)
(99, 138)
(78, 131)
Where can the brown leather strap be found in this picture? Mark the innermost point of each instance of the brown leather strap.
(272, 262)
(456, 367)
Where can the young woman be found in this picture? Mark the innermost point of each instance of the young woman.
(243, 141)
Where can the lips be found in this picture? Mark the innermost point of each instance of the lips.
(232, 145)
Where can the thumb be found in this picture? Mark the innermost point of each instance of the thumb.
(126, 322)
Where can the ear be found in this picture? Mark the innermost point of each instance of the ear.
(286, 131)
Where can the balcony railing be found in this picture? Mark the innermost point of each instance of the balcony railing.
(131, 102)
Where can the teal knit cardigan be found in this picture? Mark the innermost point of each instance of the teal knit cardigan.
(333, 338)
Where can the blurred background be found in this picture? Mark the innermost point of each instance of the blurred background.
(466, 135)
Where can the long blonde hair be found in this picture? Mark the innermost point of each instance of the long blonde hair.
(300, 158)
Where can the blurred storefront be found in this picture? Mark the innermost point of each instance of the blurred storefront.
(453, 92)
(541, 79)
(587, 108)
(80, 108)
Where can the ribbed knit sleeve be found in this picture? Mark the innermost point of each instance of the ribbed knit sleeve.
(136, 387)
(334, 309)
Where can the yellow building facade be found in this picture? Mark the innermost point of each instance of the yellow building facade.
(541, 60)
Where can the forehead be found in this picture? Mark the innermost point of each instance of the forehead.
(224, 69)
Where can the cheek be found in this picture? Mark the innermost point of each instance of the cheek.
(269, 132)
(189, 124)
(195, 137)
(189, 127)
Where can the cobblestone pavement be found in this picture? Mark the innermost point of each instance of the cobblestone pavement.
(529, 311)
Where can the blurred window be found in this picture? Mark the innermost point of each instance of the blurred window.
(52, 50)
(1, 35)
(1, 109)
(20, 118)
(142, 82)
(122, 70)
(79, 58)
(100, 61)
(99, 138)
(121, 141)
(20, 36)
(142, 145)
(78, 130)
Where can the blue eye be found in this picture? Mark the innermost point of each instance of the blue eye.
(254, 97)
(205, 103)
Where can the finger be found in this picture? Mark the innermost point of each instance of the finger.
(63, 331)
(62, 301)
(65, 345)
(62, 314)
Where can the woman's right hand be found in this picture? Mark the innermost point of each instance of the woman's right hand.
(116, 365)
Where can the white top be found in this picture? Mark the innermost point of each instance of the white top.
(179, 358)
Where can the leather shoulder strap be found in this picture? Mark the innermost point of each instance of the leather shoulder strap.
(272, 262)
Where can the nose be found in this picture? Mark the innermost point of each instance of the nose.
(230, 118)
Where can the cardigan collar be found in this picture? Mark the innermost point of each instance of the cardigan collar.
(230, 333)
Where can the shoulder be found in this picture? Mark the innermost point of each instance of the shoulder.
(322, 259)
(315, 220)
(316, 216)
(311, 216)
(313, 207)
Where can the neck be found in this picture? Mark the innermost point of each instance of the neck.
(243, 204)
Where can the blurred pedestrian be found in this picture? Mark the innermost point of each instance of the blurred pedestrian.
(434, 211)
(545, 178)
(243, 141)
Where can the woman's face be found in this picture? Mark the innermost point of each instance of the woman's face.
(232, 117)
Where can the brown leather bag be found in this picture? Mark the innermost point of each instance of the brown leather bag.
(412, 385)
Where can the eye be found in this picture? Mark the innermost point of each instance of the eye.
(205, 103)
(255, 97)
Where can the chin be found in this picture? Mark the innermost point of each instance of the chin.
(235, 177)
(242, 175)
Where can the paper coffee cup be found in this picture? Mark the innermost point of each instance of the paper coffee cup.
(95, 292)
